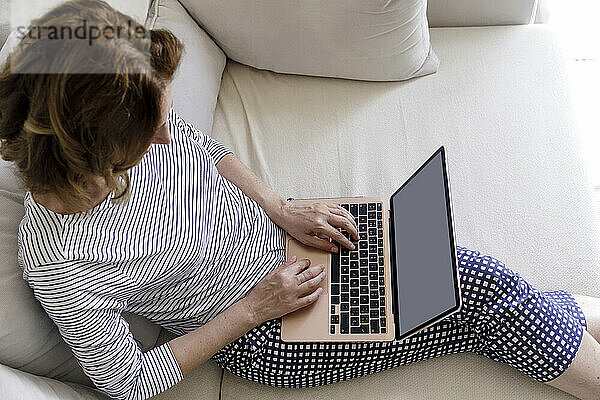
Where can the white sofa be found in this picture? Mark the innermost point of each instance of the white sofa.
(499, 103)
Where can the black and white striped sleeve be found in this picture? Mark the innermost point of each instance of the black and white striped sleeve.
(214, 148)
(90, 322)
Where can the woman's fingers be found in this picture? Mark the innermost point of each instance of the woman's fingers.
(342, 222)
(289, 261)
(342, 211)
(311, 298)
(300, 266)
(311, 284)
(337, 211)
(336, 235)
(309, 274)
(323, 244)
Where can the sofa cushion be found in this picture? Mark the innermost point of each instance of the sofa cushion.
(357, 39)
(196, 84)
(15, 384)
(480, 12)
(31, 342)
(20, 13)
(520, 192)
(519, 180)
(464, 376)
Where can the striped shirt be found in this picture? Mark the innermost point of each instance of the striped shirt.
(186, 246)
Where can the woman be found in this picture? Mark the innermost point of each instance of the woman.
(130, 208)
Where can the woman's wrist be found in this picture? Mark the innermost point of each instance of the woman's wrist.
(275, 208)
(247, 312)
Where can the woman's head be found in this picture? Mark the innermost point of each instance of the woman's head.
(64, 127)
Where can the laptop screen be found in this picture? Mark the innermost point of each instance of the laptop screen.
(423, 247)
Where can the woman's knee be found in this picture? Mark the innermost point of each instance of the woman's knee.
(484, 278)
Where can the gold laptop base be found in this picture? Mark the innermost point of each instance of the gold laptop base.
(312, 323)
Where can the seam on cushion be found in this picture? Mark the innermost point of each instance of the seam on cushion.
(154, 6)
(534, 11)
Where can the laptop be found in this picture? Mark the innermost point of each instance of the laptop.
(402, 276)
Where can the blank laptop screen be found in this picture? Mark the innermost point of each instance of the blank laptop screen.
(424, 257)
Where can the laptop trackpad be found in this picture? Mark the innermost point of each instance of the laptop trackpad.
(316, 257)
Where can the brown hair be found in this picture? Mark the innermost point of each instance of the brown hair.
(62, 128)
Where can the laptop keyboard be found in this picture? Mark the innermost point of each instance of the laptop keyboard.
(357, 290)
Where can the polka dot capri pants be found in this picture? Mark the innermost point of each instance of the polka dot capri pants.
(502, 317)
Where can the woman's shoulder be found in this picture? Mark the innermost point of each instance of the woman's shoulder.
(39, 237)
(183, 131)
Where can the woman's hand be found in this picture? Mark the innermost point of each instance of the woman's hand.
(315, 223)
(291, 286)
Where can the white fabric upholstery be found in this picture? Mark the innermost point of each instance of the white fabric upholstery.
(464, 376)
(358, 39)
(20, 13)
(19, 385)
(197, 81)
(480, 12)
(499, 103)
(15, 14)
(41, 350)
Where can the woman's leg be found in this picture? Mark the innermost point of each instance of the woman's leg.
(502, 317)
(582, 378)
(591, 309)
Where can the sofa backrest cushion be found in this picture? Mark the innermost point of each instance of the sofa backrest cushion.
(480, 12)
(196, 84)
(15, 384)
(17, 13)
(29, 340)
(379, 40)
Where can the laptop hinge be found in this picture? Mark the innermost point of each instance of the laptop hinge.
(393, 270)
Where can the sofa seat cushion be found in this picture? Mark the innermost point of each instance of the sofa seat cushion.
(520, 191)
(499, 103)
(465, 376)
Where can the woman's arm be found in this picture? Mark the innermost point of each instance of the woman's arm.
(312, 224)
(240, 175)
(88, 316)
(289, 287)
(89, 319)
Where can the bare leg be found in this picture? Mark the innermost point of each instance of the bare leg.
(582, 378)
(591, 309)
